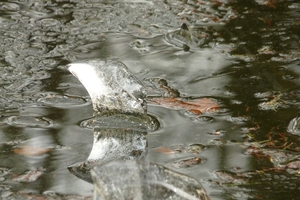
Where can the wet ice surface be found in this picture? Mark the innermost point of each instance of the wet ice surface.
(111, 86)
(250, 65)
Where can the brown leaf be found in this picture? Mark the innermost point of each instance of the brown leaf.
(227, 177)
(31, 150)
(187, 162)
(197, 106)
(164, 150)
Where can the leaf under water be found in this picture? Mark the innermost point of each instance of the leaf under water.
(196, 106)
(31, 150)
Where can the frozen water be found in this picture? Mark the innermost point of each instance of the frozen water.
(120, 119)
(111, 86)
(120, 143)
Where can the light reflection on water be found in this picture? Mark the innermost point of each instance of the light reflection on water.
(40, 38)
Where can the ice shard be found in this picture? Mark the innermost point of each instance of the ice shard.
(112, 87)
(120, 120)
(115, 165)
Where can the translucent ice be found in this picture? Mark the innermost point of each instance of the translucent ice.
(120, 120)
(111, 86)
(120, 124)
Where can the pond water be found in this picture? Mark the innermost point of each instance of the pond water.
(247, 64)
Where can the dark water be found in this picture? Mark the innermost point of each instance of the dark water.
(249, 65)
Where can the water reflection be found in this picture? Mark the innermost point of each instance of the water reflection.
(112, 144)
(120, 108)
(256, 53)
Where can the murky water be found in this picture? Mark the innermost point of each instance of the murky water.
(248, 63)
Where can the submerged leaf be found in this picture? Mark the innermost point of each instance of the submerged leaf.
(192, 148)
(187, 162)
(196, 106)
(164, 150)
(31, 150)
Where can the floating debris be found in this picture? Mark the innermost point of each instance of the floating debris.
(267, 50)
(185, 163)
(272, 104)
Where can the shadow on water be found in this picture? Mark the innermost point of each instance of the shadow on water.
(249, 67)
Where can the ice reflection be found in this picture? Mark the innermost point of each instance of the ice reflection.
(132, 180)
(120, 120)
(118, 109)
(261, 38)
(112, 144)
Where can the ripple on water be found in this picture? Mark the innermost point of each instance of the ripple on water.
(9, 7)
(149, 124)
(202, 119)
(63, 101)
(29, 121)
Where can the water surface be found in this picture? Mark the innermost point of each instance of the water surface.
(249, 67)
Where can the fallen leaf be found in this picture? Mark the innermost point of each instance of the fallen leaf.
(31, 150)
(192, 148)
(229, 178)
(164, 150)
(187, 162)
(197, 106)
